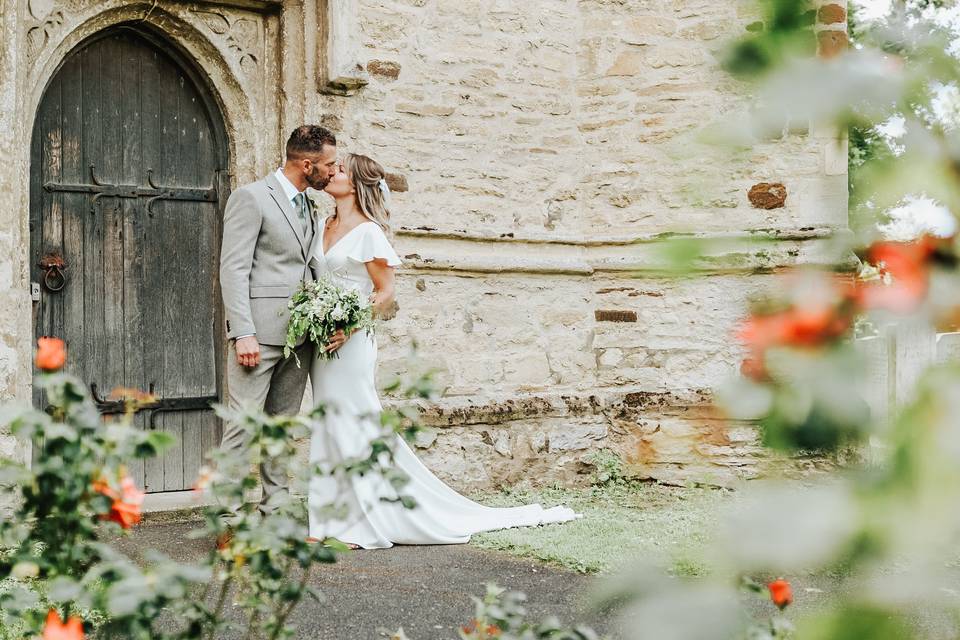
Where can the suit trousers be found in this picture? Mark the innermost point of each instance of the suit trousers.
(276, 386)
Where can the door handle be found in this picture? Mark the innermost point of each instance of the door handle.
(54, 279)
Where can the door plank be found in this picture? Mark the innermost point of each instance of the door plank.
(46, 215)
(171, 307)
(131, 275)
(112, 97)
(95, 86)
(152, 253)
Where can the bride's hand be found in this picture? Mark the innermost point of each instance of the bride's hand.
(336, 341)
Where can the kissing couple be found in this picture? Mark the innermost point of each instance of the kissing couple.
(273, 242)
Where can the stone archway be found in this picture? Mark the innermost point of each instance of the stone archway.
(129, 164)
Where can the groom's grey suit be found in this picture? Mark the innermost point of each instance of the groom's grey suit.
(265, 256)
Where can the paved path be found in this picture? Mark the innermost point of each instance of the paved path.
(424, 589)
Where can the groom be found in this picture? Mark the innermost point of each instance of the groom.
(269, 231)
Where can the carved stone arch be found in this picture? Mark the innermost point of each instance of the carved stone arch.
(199, 55)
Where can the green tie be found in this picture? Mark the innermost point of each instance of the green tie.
(303, 209)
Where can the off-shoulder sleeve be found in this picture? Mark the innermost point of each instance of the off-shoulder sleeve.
(373, 244)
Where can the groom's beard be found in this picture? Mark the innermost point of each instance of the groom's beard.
(318, 180)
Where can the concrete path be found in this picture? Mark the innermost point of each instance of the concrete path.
(424, 589)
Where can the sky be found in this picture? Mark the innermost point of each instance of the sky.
(871, 9)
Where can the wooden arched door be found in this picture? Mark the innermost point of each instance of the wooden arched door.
(127, 155)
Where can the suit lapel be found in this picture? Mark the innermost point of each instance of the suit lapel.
(311, 251)
(280, 198)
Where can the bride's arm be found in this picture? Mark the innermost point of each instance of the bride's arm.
(383, 287)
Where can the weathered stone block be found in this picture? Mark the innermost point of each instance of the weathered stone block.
(576, 437)
(628, 63)
(384, 69)
(640, 28)
(708, 30)
(831, 14)
(613, 315)
(831, 43)
(397, 182)
(767, 195)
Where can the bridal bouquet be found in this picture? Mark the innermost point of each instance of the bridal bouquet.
(319, 309)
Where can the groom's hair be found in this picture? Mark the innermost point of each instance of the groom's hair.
(308, 140)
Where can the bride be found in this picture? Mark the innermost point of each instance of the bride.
(353, 250)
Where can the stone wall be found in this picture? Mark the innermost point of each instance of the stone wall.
(547, 146)
(539, 152)
(14, 296)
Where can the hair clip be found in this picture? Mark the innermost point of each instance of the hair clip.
(385, 190)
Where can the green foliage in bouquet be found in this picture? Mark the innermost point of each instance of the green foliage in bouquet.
(321, 308)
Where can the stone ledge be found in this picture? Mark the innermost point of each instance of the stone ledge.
(787, 234)
(464, 411)
(722, 253)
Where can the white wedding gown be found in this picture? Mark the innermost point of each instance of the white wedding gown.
(347, 386)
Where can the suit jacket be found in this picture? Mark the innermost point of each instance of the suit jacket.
(264, 258)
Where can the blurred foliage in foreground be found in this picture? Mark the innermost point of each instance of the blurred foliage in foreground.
(888, 527)
(59, 578)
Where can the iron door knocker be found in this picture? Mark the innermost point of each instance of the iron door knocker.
(54, 279)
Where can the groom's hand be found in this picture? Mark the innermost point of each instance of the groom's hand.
(248, 351)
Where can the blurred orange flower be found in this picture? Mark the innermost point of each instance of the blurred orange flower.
(904, 272)
(204, 479)
(125, 509)
(797, 326)
(130, 394)
(56, 629)
(51, 354)
(481, 632)
(780, 593)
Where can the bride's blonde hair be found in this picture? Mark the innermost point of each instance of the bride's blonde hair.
(369, 182)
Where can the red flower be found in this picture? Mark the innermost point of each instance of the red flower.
(798, 326)
(476, 627)
(904, 273)
(56, 629)
(780, 593)
(51, 354)
(125, 509)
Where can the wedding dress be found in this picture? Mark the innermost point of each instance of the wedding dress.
(347, 386)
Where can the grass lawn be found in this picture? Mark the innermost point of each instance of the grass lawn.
(620, 522)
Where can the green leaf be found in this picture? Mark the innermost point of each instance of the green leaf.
(63, 589)
(59, 430)
(161, 440)
(335, 545)
(18, 599)
(126, 596)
